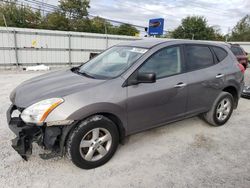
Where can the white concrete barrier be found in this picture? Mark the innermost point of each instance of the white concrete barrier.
(20, 46)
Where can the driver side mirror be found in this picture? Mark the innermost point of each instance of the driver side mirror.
(146, 77)
(141, 78)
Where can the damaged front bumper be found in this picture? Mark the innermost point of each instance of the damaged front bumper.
(50, 138)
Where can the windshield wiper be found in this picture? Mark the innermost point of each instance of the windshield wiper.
(86, 74)
(76, 70)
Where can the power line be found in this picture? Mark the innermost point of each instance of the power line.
(47, 5)
(49, 8)
(115, 21)
(40, 5)
(32, 7)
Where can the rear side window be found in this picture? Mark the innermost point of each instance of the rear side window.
(220, 53)
(198, 57)
(237, 50)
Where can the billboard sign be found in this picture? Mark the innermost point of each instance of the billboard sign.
(156, 26)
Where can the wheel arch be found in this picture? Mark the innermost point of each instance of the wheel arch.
(233, 91)
(114, 118)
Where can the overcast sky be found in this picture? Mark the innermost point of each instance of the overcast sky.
(222, 13)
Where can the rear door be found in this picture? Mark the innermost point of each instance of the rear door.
(205, 77)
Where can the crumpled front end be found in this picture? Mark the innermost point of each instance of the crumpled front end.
(48, 137)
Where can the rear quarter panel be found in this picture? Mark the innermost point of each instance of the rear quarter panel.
(234, 76)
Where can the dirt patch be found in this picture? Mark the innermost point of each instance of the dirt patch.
(202, 141)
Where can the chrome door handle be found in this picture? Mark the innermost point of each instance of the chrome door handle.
(180, 85)
(219, 75)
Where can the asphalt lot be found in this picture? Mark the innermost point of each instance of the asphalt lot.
(188, 153)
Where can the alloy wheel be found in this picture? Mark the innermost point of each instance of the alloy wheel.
(223, 109)
(95, 144)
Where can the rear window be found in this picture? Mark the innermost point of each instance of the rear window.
(198, 57)
(220, 53)
(237, 50)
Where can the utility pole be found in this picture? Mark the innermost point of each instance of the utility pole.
(5, 23)
(43, 7)
(228, 33)
(106, 34)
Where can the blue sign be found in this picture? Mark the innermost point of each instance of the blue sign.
(156, 26)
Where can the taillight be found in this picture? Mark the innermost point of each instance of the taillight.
(242, 68)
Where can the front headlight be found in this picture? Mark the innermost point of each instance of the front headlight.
(38, 112)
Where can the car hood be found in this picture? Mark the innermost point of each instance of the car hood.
(55, 84)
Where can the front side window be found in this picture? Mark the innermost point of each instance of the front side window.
(198, 57)
(112, 62)
(165, 62)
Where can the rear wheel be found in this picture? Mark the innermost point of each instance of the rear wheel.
(221, 110)
(93, 142)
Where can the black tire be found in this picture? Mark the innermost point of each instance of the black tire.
(211, 116)
(75, 137)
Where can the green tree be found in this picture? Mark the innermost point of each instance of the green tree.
(194, 27)
(81, 25)
(241, 32)
(75, 9)
(55, 21)
(126, 29)
(100, 25)
(71, 16)
(217, 34)
(19, 16)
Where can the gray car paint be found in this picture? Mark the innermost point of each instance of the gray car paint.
(138, 107)
(56, 84)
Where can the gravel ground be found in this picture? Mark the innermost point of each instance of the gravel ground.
(188, 153)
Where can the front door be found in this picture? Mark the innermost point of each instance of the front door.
(150, 104)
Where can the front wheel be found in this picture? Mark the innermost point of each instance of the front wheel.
(221, 110)
(93, 142)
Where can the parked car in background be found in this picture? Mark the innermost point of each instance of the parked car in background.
(248, 59)
(129, 88)
(240, 54)
(246, 92)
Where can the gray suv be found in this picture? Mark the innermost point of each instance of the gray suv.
(88, 110)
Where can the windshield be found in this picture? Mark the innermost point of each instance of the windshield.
(112, 62)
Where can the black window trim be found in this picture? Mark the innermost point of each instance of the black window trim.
(195, 44)
(217, 58)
